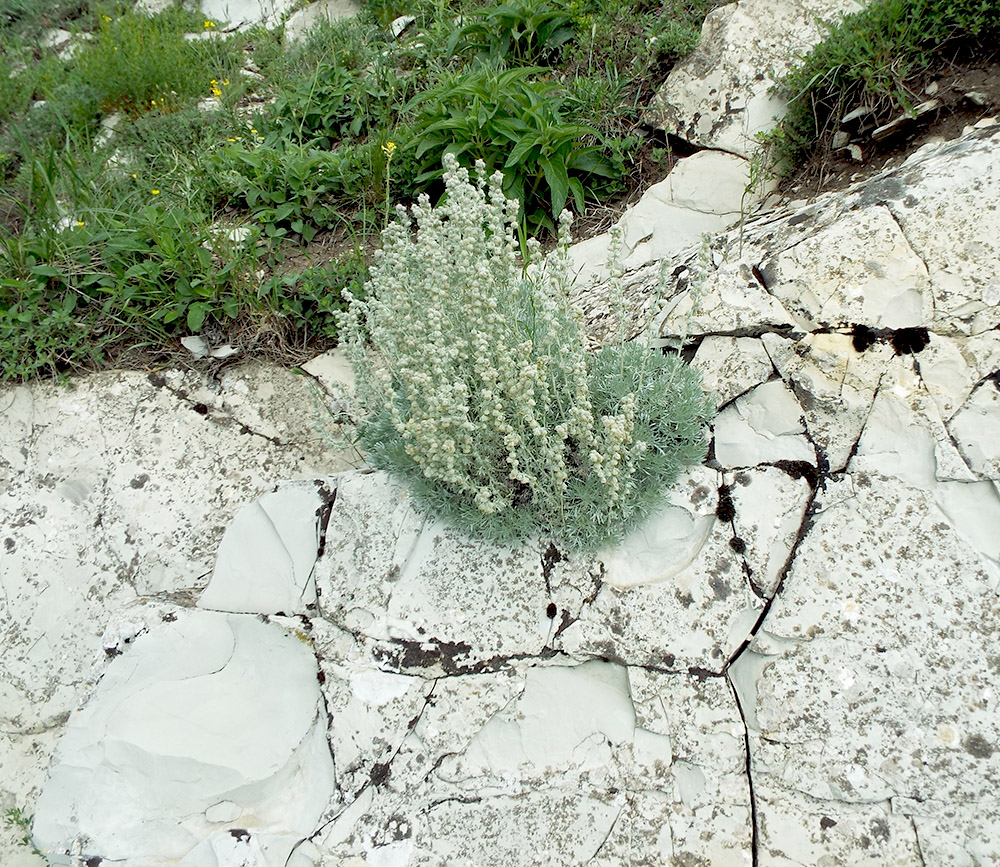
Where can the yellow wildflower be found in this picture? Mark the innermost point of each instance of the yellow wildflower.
(389, 148)
(155, 192)
(208, 25)
(80, 223)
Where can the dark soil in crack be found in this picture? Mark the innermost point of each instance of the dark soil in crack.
(965, 94)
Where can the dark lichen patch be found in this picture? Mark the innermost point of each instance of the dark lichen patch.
(719, 587)
(139, 481)
(978, 746)
(880, 830)
(863, 337)
(380, 773)
(241, 834)
(826, 823)
(909, 341)
(419, 654)
(799, 470)
(550, 557)
(725, 510)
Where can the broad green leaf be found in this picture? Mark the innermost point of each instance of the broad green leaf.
(557, 178)
(196, 315)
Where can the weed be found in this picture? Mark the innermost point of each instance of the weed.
(513, 122)
(16, 818)
(141, 63)
(480, 392)
(875, 57)
(519, 32)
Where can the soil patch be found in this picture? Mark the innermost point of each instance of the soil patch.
(955, 98)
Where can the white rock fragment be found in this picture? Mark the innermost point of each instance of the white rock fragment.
(915, 585)
(859, 270)
(395, 576)
(937, 197)
(202, 713)
(769, 507)
(671, 540)
(763, 426)
(311, 15)
(564, 719)
(703, 195)
(976, 428)
(731, 366)
(720, 95)
(266, 557)
(680, 569)
(835, 385)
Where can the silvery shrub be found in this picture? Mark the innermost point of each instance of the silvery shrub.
(475, 386)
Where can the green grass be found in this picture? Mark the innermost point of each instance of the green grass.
(879, 57)
(113, 243)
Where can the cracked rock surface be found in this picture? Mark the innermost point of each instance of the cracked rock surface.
(793, 663)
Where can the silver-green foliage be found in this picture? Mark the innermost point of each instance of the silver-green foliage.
(477, 388)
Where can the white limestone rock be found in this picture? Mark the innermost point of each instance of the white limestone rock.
(103, 497)
(769, 507)
(268, 401)
(428, 592)
(673, 595)
(940, 197)
(309, 16)
(719, 96)
(835, 386)
(976, 429)
(795, 830)
(207, 723)
(875, 676)
(720, 297)
(371, 709)
(242, 14)
(763, 426)
(731, 366)
(951, 367)
(951, 833)
(860, 269)
(266, 557)
(904, 435)
(703, 195)
(570, 764)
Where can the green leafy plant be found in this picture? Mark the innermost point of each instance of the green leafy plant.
(513, 123)
(331, 105)
(479, 392)
(140, 63)
(521, 32)
(875, 58)
(293, 190)
(16, 818)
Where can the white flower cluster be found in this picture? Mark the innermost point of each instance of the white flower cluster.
(477, 365)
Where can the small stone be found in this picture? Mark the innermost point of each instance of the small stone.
(401, 24)
(840, 139)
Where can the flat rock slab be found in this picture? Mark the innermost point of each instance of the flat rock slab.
(872, 681)
(425, 591)
(567, 763)
(719, 96)
(266, 557)
(119, 486)
(205, 725)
